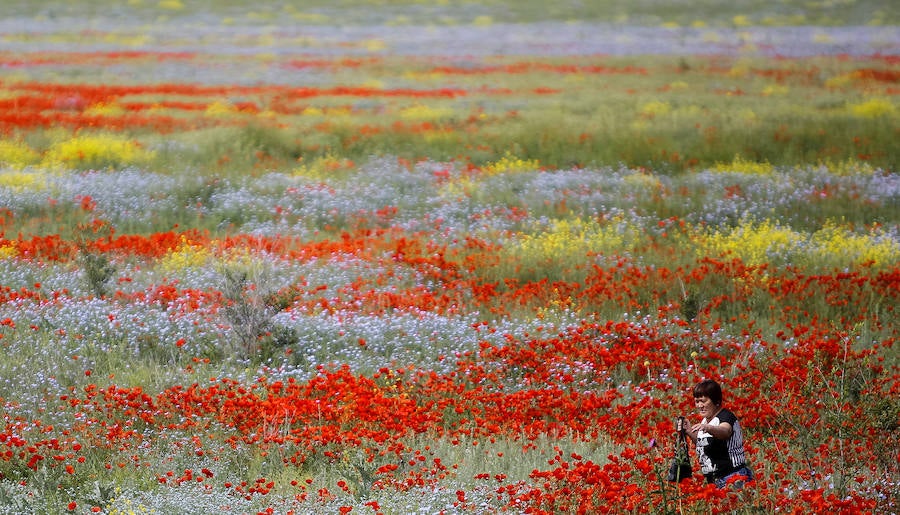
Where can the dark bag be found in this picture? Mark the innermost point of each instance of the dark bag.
(680, 469)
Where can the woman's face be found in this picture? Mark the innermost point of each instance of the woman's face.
(705, 407)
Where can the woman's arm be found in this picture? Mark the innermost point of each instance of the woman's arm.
(720, 431)
(692, 435)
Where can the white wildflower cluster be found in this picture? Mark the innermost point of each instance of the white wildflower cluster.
(134, 199)
(726, 198)
(124, 196)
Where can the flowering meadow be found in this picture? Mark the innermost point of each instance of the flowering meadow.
(445, 257)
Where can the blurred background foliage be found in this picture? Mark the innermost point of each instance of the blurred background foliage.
(687, 13)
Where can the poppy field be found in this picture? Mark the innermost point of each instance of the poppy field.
(420, 256)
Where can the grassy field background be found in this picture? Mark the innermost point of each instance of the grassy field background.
(641, 12)
(445, 257)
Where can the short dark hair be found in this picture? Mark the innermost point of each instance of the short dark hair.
(709, 388)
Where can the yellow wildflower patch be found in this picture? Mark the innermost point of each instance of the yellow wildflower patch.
(309, 17)
(421, 112)
(126, 39)
(17, 155)
(739, 70)
(840, 81)
(435, 136)
(848, 167)
(741, 20)
(22, 181)
(324, 167)
(95, 151)
(510, 163)
(747, 115)
(8, 250)
(459, 187)
(775, 90)
(833, 246)
(103, 109)
(373, 84)
(219, 109)
(186, 256)
(579, 238)
(243, 260)
(753, 243)
(834, 242)
(171, 5)
(643, 181)
(375, 45)
(654, 109)
(873, 108)
(741, 165)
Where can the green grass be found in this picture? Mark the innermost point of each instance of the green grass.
(649, 133)
(708, 116)
(644, 12)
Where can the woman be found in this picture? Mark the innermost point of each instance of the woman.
(718, 439)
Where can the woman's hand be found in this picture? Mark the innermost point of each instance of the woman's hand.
(681, 425)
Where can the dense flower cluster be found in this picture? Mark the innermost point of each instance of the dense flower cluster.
(202, 311)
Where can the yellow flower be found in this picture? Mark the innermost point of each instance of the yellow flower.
(741, 165)
(17, 155)
(22, 181)
(644, 181)
(171, 5)
(103, 109)
(655, 108)
(873, 108)
(739, 70)
(848, 167)
(741, 20)
(375, 45)
(8, 250)
(219, 109)
(421, 112)
(775, 90)
(186, 256)
(324, 167)
(578, 238)
(833, 241)
(839, 81)
(96, 151)
(753, 243)
(483, 21)
(510, 163)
